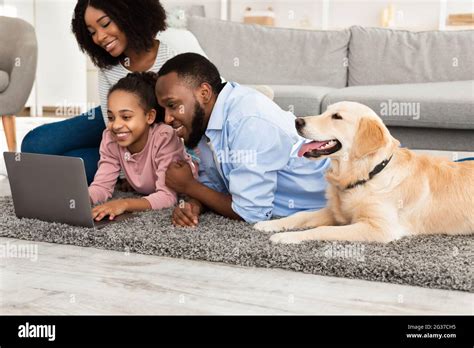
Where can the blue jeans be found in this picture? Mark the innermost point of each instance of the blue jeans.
(465, 159)
(79, 136)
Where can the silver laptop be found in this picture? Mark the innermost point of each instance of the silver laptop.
(51, 188)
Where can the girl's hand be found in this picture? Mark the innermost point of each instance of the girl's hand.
(112, 208)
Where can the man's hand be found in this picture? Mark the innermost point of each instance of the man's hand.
(179, 177)
(112, 208)
(186, 214)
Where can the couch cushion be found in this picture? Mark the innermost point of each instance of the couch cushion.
(430, 105)
(253, 54)
(386, 56)
(434, 138)
(4, 81)
(300, 100)
(181, 41)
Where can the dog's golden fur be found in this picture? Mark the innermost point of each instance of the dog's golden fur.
(414, 194)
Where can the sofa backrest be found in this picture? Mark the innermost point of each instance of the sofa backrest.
(253, 54)
(385, 56)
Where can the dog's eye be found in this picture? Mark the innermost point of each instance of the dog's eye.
(336, 117)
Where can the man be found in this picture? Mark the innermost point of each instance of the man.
(248, 148)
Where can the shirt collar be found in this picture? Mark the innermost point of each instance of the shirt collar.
(217, 118)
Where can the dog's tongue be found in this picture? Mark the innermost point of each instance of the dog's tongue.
(314, 145)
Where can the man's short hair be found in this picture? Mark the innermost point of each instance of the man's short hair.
(194, 69)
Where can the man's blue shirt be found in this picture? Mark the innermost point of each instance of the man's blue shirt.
(255, 144)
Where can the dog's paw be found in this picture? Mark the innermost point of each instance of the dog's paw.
(268, 226)
(285, 238)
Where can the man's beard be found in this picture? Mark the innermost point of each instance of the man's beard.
(198, 127)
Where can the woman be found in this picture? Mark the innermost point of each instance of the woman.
(119, 37)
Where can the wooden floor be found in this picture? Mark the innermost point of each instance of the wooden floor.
(61, 279)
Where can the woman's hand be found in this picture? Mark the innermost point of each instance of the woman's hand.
(112, 208)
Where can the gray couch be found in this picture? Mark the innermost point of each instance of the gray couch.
(420, 83)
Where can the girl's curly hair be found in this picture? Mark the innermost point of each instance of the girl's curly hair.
(142, 84)
(140, 20)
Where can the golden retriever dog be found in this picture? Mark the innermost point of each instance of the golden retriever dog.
(377, 191)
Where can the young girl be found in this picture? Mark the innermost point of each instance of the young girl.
(137, 142)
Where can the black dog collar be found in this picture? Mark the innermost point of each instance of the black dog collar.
(378, 168)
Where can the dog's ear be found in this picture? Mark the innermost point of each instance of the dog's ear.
(369, 138)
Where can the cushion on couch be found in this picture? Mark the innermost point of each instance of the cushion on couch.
(434, 138)
(385, 56)
(180, 41)
(253, 54)
(4, 81)
(300, 100)
(429, 105)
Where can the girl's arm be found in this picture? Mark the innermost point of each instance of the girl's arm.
(103, 185)
(118, 207)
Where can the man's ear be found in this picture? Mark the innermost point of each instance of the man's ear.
(369, 138)
(151, 116)
(205, 92)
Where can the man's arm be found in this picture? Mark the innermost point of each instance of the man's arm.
(264, 150)
(221, 203)
(199, 197)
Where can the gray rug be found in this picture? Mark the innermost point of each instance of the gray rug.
(442, 262)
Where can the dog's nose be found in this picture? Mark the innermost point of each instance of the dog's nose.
(299, 123)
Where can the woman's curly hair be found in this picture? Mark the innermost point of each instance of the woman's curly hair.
(142, 84)
(140, 20)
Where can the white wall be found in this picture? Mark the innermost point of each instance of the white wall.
(460, 6)
(62, 67)
(420, 15)
(92, 84)
(413, 14)
(296, 13)
(211, 7)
